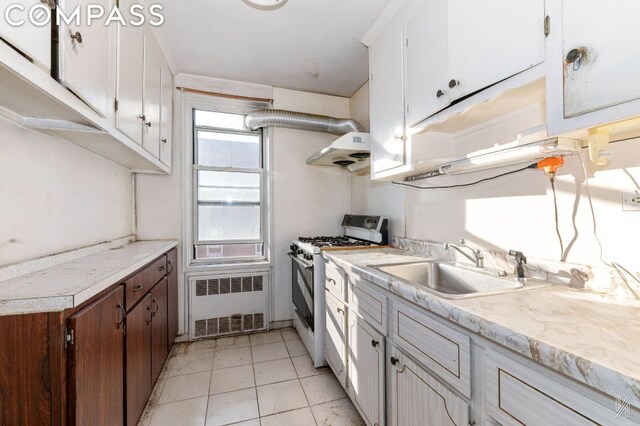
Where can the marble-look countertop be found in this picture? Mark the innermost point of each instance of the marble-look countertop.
(591, 338)
(70, 284)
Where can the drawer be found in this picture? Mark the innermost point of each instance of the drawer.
(139, 284)
(334, 281)
(440, 348)
(519, 394)
(368, 303)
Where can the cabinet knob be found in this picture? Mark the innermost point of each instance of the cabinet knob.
(576, 57)
(77, 37)
(148, 124)
(164, 141)
(398, 137)
(340, 310)
(439, 94)
(394, 360)
(375, 343)
(453, 83)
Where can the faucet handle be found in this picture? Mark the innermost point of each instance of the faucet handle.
(520, 257)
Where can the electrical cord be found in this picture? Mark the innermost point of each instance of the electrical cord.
(464, 185)
(555, 209)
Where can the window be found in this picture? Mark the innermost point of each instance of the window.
(228, 182)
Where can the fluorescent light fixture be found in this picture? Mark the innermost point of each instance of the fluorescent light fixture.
(511, 154)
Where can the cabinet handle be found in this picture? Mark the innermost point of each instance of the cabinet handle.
(331, 280)
(453, 83)
(138, 288)
(170, 267)
(439, 94)
(77, 37)
(121, 320)
(164, 141)
(150, 314)
(161, 268)
(154, 312)
(375, 343)
(142, 117)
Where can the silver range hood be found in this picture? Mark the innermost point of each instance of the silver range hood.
(350, 151)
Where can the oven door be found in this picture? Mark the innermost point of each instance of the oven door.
(302, 289)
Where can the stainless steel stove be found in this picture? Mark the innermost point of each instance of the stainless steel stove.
(308, 275)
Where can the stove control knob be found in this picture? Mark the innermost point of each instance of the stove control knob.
(299, 251)
(292, 247)
(308, 257)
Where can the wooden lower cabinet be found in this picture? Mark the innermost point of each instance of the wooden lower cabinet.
(96, 356)
(366, 370)
(159, 328)
(419, 399)
(138, 356)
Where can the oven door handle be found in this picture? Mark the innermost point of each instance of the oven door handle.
(305, 264)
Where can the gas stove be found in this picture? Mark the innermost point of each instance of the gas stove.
(308, 275)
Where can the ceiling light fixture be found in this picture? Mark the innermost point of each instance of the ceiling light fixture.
(265, 4)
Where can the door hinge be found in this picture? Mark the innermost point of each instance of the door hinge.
(115, 104)
(407, 109)
(406, 42)
(547, 26)
(68, 337)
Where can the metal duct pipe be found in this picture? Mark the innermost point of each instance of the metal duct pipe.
(301, 121)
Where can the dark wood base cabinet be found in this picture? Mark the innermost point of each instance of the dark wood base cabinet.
(95, 364)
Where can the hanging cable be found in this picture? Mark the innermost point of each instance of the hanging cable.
(555, 209)
(464, 185)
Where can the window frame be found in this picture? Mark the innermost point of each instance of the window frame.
(191, 103)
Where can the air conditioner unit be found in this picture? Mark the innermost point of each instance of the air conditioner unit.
(227, 304)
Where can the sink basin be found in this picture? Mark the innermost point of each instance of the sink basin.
(453, 281)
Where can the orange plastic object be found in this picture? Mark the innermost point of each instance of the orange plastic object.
(551, 165)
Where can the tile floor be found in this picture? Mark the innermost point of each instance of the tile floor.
(264, 379)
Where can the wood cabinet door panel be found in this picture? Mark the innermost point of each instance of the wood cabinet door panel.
(138, 359)
(97, 362)
(159, 328)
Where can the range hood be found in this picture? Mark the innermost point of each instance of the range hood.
(350, 151)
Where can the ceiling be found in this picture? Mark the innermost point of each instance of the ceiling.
(310, 45)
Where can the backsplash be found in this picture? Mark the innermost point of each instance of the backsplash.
(599, 279)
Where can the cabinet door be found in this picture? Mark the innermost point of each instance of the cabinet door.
(166, 115)
(84, 56)
(427, 70)
(31, 40)
(130, 77)
(335, 337)
(151, 95)
(366, 370)
(172, 295)
(386, 90)
(418, 399)
(138, 358)
(606, 39)
(159, 328)
(97, 362)
(492, 40)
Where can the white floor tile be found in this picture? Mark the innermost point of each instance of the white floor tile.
(187, 386)
(269, 372)
(237, 341)
(183, 413)
(269, 352)
(231, 379)
(196, 347)
(232, 407)
(337, 413)
(322, 388)
(289, 334)
(296, 347)
(232, 357)
(254, 422)
(301, 417)
(280, 397)
(264, 338)
(304, 367)
(193, 363)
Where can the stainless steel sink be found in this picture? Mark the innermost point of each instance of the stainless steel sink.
(454, 281)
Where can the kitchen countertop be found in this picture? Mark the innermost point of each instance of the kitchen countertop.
(70, 284)
(591, 338)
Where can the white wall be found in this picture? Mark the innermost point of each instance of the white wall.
(307, 200)
(373, 197)
(57, 196)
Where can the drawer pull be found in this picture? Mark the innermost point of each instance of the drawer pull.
(138, 288)
(394, 360)
(150, 315)
(170, 268)
(331, 280)
(161, 268)
(340, 310)
(154, 312)
(121, 320)
(375, 343)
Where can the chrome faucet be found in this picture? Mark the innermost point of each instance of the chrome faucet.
(476, 255)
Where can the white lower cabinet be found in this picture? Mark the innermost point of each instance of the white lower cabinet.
(366, 370)
(419, 399)
(335, 338)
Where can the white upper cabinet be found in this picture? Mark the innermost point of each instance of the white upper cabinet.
(492, 40)
(386, 89)
(85, 56)
(31, 40)
(166, 114)
(427, 68)
(152, 96)
(130, 78)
